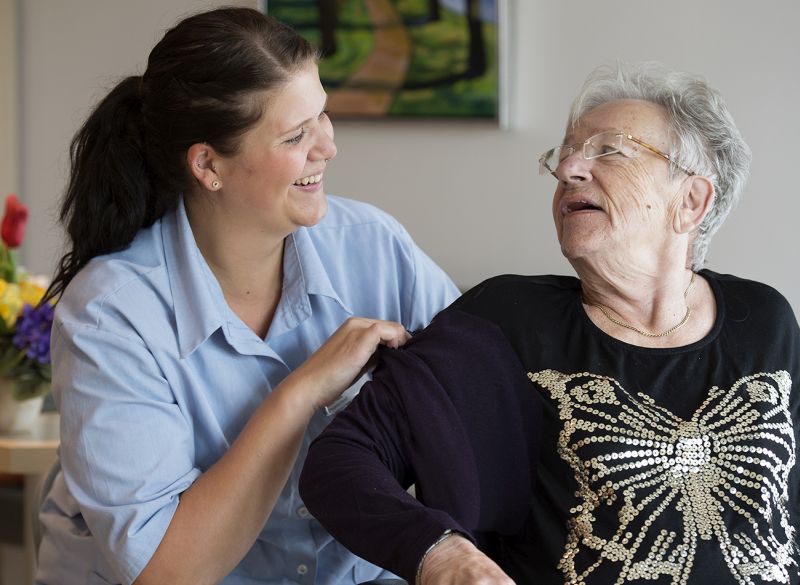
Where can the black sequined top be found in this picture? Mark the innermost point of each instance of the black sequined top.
(668, 466)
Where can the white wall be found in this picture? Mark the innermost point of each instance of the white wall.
(468, 192)
(71, 53)
(9, 128)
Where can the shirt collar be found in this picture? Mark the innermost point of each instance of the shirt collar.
(304, 274)
(196, 294)
(200, 306)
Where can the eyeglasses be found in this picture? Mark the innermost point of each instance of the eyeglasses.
(599, 145)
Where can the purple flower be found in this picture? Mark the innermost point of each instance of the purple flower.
(33, 332)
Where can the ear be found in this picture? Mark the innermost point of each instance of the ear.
(201, 161)
(695, 203)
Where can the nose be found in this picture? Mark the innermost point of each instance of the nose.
(326, 147)
(575, 168)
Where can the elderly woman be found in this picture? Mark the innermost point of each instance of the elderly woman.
(637, 423)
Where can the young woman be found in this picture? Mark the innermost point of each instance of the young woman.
(212, 302)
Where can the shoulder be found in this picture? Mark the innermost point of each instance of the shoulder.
(756, 315)
(754, 297)
(120, 286)
(466, 358)
(358, 238)
(353, 229)
(731, 282)
(522, 284)
(350, 214)
(454, 333)
(512, 293)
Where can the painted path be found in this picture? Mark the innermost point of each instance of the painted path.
(371, 89)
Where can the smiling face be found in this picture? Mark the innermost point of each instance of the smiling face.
(616, 209)
(275, 181)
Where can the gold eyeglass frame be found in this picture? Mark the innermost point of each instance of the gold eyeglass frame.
(544, 169)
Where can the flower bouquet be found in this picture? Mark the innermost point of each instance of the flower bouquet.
(25, 324)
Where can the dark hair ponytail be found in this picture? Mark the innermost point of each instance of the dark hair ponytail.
(128, 159)
(109, 196)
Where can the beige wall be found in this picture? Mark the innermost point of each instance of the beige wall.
(470, 193)
(9, 86)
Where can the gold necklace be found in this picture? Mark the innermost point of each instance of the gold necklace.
(605, 310)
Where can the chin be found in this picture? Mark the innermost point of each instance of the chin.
(310, 213)
(567, 242)
(577, 241)
(574, 249)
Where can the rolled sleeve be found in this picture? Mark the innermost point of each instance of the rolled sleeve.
(114, 400)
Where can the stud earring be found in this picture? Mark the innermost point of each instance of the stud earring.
(215, 184)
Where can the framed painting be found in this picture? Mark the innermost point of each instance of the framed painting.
(404, 58)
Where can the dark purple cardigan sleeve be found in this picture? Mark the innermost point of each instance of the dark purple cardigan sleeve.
(453, 413)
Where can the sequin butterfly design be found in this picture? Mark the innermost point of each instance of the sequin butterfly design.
(652, 487)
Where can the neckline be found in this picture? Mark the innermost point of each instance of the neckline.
(708, 338)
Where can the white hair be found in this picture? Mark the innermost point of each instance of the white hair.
(705, 137)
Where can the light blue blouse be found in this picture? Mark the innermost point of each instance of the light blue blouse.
(155, 376)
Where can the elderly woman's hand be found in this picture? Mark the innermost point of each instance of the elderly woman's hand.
(343, 357)
(456, 561)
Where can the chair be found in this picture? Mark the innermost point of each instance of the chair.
(41, 493)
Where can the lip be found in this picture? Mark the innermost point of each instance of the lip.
(578, 203)
(311, 186)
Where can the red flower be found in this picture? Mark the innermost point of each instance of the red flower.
(14, 220)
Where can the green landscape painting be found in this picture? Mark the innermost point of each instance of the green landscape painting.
(402, 58)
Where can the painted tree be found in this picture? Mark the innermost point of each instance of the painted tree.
(433, 10)
(476, 61)
(328, 21)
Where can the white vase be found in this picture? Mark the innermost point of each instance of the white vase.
(17, 416)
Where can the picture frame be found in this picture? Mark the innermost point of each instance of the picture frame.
(407, 59)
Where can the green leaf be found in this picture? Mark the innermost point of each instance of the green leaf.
(29, 386)
(10, 358)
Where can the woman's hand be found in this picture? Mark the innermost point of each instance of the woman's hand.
(456, 561)
(236, 495)
(343, 357)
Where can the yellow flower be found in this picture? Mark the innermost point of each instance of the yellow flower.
(11, 302)
(31, 292)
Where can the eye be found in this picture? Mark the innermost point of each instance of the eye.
(604, 148)
(611, 153)
(298, 138)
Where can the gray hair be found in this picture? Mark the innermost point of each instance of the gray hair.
(705, 137)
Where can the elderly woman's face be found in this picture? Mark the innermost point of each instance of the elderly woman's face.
(614, 206)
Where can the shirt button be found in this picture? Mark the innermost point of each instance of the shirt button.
(303, 512)
(302, 569)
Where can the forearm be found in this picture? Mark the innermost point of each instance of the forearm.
(373, 516)
(454, 560)
(221, 514)
(354, 479)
